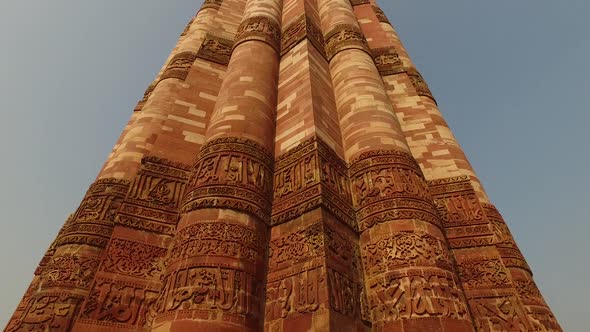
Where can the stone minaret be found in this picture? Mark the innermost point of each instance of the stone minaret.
(287, 170)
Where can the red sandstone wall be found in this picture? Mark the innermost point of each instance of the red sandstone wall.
(287, 170)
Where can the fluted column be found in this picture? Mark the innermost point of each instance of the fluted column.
(480, 239)
(168, 122)
(410, 281)
(313, 281)
(216, 270)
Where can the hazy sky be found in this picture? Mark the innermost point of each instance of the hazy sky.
(510, 76)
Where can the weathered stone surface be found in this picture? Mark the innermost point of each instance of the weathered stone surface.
(287, 170)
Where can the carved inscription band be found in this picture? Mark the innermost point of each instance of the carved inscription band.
(345, 37)
(232, 173)
(260, 28)
(310, 176)
(93, 222)
(389, 185)
(302, 28)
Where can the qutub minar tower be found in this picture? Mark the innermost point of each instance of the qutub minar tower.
(288, 170)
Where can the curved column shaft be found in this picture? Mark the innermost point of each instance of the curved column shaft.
(220, 285)
(390, 194)
(477, 233)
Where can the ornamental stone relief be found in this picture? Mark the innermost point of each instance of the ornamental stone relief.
(93, 221)
(462, 214)
(179, 66)
(388, 61)
(310, 176)
(134, 259)
(53, 312)
(215, 49)
(419, 294)
(260, 28)
(69, 270)
(154, 198)
(484, 274)
(208, 288)
(343, 37)
(295, 294)
(232, 173)
(389, 185)
(297, 247)
(218, 239)
(499, 314)
(345, 294)
(119, 305)
(405, 250)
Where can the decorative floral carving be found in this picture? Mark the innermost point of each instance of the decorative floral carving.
(69, 270)
(218, 239)
(134, 259)
(484, 274)
(297, 247)
(405, 249)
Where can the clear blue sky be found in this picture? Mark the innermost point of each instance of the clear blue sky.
(511, 77)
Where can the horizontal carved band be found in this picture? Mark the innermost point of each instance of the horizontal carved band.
(179, 66)
(501, 313)
(93, 222)
(388, 61)
(310, 176)
(419, 83)
(381, 15)
(153, 201)
(47, 312)
(215, 49)
(415, 294)
(119, 305)
(405, 249)
(208, 239)
(483, 274)
(232, 173)
(260, 28)
(389, 185)
(302, 28)
(209, 288)
(345, 37)
(359, 2)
